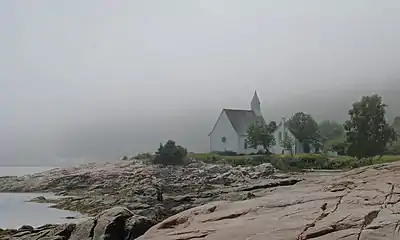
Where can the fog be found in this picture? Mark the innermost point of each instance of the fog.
(93, 80)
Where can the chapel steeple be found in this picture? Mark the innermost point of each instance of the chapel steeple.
(256, 105)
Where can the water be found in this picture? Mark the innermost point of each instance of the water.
(15, 211)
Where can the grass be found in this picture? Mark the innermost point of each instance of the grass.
(295, 163)
(233, 160)
(386, 159)
(207, 156)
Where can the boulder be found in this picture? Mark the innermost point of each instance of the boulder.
(110, 224)
(136, 226)
(25, 228)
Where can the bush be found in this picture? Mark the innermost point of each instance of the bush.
(144, 156)
(316, 161)
(294, 163)
(170, 154)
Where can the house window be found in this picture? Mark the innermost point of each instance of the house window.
(245, 144)
(280, 137)
(286, 136)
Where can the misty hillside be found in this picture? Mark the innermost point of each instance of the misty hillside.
(334, 103)
(191, 127)
(108, 137)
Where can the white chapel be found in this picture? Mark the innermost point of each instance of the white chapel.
(230, 131)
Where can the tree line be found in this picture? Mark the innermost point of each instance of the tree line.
(365, 134)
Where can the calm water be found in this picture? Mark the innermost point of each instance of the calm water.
(15, 211)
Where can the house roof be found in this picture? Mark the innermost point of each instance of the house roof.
(242, 119)
(288, 128)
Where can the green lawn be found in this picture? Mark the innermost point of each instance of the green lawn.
(282, 162)
(387, 159)
(207, 156)
(375, 160)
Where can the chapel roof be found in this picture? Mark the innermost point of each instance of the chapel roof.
(242, 119)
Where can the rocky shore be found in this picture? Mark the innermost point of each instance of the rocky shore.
(154, 192)
(136, 186)
(206, 201)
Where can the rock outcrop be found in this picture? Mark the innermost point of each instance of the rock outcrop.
(153, 191)
(358, 205)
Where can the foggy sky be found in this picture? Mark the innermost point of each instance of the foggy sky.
(98, 79)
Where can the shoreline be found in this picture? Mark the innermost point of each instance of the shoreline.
(93, 188)
(139, 196)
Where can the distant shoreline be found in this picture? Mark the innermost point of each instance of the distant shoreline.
(10, 171)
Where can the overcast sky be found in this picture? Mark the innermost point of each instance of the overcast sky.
(99, 78)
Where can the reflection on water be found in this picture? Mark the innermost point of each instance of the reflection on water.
(15, 211)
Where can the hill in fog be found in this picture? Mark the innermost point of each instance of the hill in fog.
(334, 103)
(191, 127)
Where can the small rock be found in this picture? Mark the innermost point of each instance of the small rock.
(38, 199)
(25, 228)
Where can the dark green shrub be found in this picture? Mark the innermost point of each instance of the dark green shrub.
(170, 154)
(339, 164)
(356, 163)
(144, 156)
(295, 163)
(316, 161)
(349, 163)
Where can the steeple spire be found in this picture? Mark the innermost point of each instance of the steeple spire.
(255, 97)
(255, 104)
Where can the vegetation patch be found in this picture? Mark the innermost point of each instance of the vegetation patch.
(295, 163)
(170, 154)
